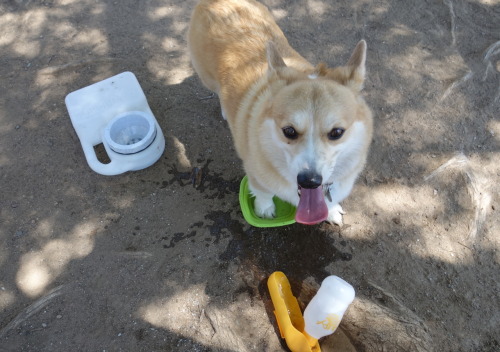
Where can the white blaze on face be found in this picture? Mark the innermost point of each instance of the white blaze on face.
(305, 149)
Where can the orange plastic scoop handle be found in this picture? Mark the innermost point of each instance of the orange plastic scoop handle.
(288, 315)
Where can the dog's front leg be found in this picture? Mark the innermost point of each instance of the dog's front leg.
(335, 213)
(263, 204)
(338, 192)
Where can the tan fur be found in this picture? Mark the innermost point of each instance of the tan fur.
(240, 53)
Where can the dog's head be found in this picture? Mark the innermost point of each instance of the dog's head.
(317, 127)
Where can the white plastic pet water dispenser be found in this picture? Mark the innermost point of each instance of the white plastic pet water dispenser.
(323, 314)
(115, 112)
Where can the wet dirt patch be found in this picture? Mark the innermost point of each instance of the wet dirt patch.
(204, 180)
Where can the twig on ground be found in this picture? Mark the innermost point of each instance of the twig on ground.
(210, 322)
(452, 15)
(456, 84)
(51, 70)
(493, 49)
(32, 309)
(207, 97)
(477, 187)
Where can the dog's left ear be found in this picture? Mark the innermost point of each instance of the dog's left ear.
(358, 60)
(353, 73)
(356, 66)
(274, 59)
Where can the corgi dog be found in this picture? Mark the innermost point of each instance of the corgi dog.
(302, 131)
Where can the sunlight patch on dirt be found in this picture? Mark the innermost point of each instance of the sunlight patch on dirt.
(494, 127)
(380, 9)
(279, 14)
(401, 30)
(161, 67)
(67, 2)
(92, 38)
(3, 159)
(39, 268)
(490, 2)
(317, 8)
(403, 329)
(181, 153)
(189, 313)
(170, 44)
(401, 199)
(162, 12)
(25, 42)
(6, 298)
(44, 229)
(178, 311)
(446, 249)
(122, 201)
(394, 96)
(7, 32)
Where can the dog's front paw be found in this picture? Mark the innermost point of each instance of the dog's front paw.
(335, 213)
(264, 207)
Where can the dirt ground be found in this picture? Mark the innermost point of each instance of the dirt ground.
(152, 261)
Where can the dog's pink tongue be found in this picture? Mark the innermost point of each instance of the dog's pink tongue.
(312, 206)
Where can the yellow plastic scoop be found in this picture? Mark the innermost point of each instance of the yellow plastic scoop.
(288, 315)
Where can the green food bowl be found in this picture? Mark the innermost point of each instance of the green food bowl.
(285, 212)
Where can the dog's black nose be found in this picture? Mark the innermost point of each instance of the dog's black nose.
(309, 179)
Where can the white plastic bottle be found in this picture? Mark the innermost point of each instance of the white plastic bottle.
(324, 313)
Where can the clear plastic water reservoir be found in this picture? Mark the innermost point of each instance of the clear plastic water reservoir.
(130, 132)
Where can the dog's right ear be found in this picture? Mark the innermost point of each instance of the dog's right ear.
(274, 59)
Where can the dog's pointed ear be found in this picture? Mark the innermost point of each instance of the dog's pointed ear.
(274, 59)
(357, 66)
(358, 59)
(352, 75)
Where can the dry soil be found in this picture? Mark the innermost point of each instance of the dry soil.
(162, 260)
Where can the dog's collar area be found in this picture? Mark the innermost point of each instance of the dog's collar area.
(326, 189)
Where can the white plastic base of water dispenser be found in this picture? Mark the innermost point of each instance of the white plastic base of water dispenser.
(93, 107)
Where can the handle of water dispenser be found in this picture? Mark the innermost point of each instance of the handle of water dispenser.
(109, 169)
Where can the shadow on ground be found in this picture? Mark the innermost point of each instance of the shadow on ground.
(161, 259)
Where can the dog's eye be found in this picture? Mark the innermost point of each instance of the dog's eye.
(290, 132)
(335, 134)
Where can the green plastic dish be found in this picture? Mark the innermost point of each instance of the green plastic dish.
(285, 212)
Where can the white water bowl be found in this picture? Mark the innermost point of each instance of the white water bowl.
(130, 132)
